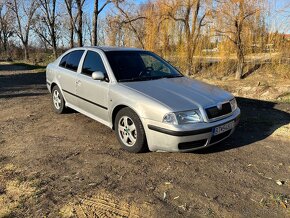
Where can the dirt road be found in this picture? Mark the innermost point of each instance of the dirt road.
(69, 165)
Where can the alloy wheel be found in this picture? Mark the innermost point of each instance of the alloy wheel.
(127, 131)
(56, 99)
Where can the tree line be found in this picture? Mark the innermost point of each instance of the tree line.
(182, 30)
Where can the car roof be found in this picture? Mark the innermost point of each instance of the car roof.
(113, 48)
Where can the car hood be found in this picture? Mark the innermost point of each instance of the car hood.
(180, 93)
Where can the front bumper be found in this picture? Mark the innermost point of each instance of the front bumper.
(164, 137)
(48, 86)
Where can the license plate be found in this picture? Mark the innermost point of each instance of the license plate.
(223, 128)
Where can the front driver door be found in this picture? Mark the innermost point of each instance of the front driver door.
(93, 94)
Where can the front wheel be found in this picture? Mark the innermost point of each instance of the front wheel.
(130, 131)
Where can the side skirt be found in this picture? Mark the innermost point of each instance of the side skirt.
(90, 115)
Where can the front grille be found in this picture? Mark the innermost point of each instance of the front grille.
(214, 112)
(219, 137)
(190, 145)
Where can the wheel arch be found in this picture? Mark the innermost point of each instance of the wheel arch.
(117, 109)
(53, 84)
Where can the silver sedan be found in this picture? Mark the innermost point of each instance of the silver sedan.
(144, 99)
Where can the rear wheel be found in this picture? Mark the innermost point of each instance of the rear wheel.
(130, 131)
(58, 100)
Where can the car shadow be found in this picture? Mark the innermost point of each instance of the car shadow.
(21, 95)
(22, 84)
(259, 120)
(19, 67)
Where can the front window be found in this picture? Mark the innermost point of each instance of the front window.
(93, 63)
(139, 65)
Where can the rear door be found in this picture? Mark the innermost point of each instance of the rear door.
(68, 75)
(93, 94)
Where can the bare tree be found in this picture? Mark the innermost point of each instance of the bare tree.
(48, 19)
(76, 22)
(69, 6)
(6, 26)
(97, 11)
(24, 12)
(232, 16)
(79, 29)
(112, 30)
(130, 20)
(191, 15)
(87, 29)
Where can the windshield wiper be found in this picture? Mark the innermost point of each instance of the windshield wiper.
(135, 79)
(174, 76)
(169, 76)
(148, 78)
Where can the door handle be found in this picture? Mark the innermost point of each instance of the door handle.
(78, 82)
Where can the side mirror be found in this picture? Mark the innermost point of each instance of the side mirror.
(98, 75)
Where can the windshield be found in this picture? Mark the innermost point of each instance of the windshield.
(139, 65)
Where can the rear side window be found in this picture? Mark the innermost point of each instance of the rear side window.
(72, 60)
(93, 62)
(63, 61)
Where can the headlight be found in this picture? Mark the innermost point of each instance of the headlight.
(170, 118)
(234, 104)
(185, 117)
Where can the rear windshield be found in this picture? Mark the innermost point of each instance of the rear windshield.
(139, 65)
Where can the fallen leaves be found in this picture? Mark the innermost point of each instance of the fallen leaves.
(164, 195)
(280, 182)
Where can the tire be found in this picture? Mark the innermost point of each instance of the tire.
(130, 131)
(58, 102)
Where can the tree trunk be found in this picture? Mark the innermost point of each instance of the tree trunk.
(69, 6)
(5, 42)
(239, 43)
(95, 24)
(239, 47)
(5, 45)
(71, 33)
(1, 38)
(189, 51)
(54, 50)
(26, 55)
(80, 23)
(240, 63)
(54, 45)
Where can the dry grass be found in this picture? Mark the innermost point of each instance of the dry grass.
(104, 204)
(282, 132)
(277, 70)
(269, 81)
(67, 210)
(13, 191)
